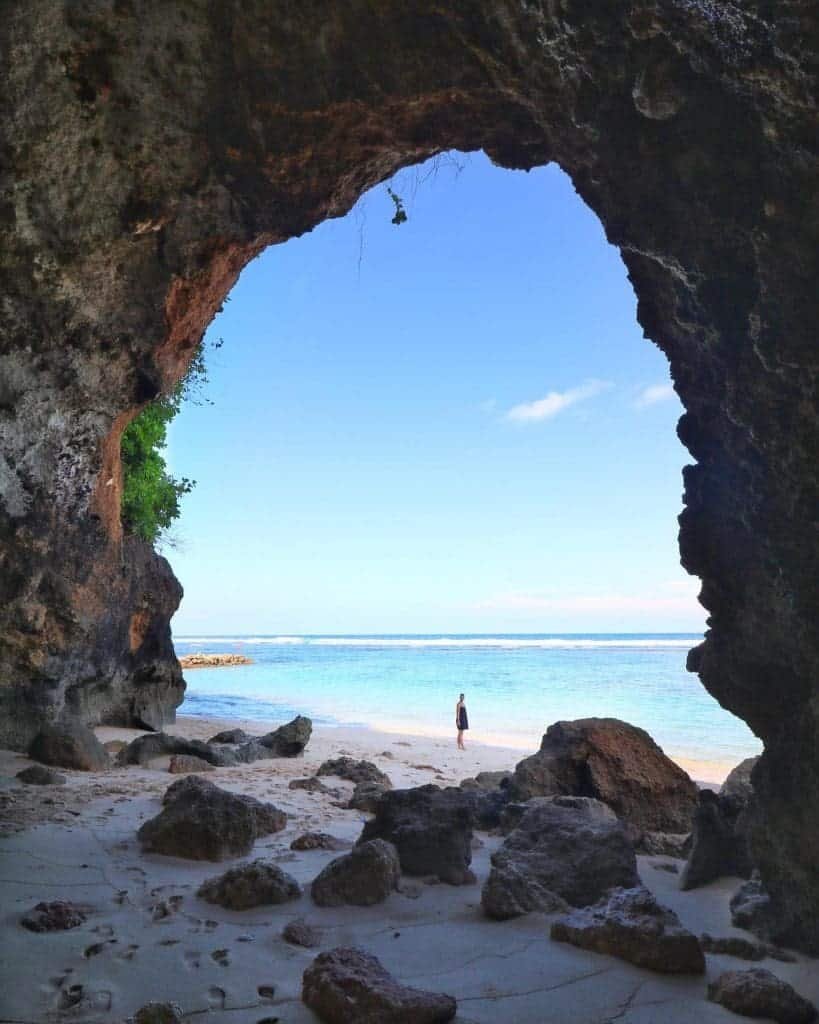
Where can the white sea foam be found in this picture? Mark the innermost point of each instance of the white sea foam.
(507, 643)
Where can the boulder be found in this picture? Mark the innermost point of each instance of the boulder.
(288, 740)
(366, 875)
(758, 993)
(738, 784)
(256, 884)
(158, 1013)
(430, 827)
(200, 821)
(366, 795)
(743, 949)
(664, 844)
(750, 908)
(355, 771)
(720, 839)
(54, 916)
(632, 925)
(318, 841)
(145, 749)
(487, 781)
(230, 736)
(69, 744)
(614, 762)
(300, 933)
(570, 849)
(310, 785)
(349, 986)
(182, 764)
(38, 775)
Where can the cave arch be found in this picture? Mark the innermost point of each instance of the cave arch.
(151, 150)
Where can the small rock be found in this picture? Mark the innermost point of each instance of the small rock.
(751, 909)
(56, 916)
(366, 796)
(720, 840)
(758, 993)
(252, 885)
(114, 746)
(310, 785)
(38, 775)
(366, 875)
(182, 764)
(158, 1013)
(666, 865)
(632, 925)
(69, 744)
(349, 986)
(300, 933)
(744, 949)
(288, 740)
(318, 841)
(354, 771)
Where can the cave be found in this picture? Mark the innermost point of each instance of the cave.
(150, 151)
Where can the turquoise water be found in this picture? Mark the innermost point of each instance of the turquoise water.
(515, 686)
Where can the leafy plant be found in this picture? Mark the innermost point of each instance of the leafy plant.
(150, 494)
(400, 213)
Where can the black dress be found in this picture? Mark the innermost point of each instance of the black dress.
(463, 721)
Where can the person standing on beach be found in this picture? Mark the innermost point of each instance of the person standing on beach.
(461, 721)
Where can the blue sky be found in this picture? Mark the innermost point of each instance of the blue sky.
(449, 425)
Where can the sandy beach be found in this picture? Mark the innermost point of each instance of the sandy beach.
(148, 936)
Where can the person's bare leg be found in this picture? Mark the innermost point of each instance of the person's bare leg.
(460, 739)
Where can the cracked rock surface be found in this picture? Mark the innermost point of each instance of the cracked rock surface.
(199, 134)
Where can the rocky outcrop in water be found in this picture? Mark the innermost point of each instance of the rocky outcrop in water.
(183, 169)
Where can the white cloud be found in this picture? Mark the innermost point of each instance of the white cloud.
(555, 402)
(654, 394)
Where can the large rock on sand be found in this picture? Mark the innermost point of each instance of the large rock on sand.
(200, 821)
(366, 875)
(570, 849)
(758, 993)
(355, 771)
(39, 775)
(431, 829)
(256, 884)
(225, 749)
(720, 841)
(632, 925)
(69, 744)
(614, 762)
(55, 916)
(348, 986)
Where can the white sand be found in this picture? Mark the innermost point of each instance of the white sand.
(79, 842)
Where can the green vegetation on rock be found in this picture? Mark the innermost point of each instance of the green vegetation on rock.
(150, 493)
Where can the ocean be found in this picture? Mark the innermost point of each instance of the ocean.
(515, 686)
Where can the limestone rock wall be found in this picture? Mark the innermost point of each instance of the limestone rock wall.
(149, 150)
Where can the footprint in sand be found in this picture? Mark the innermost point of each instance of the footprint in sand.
(267, 993)
(193, 959)
(128, 953)
(105, 930)
(97, 948)
(221, 957)
(216, 997)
